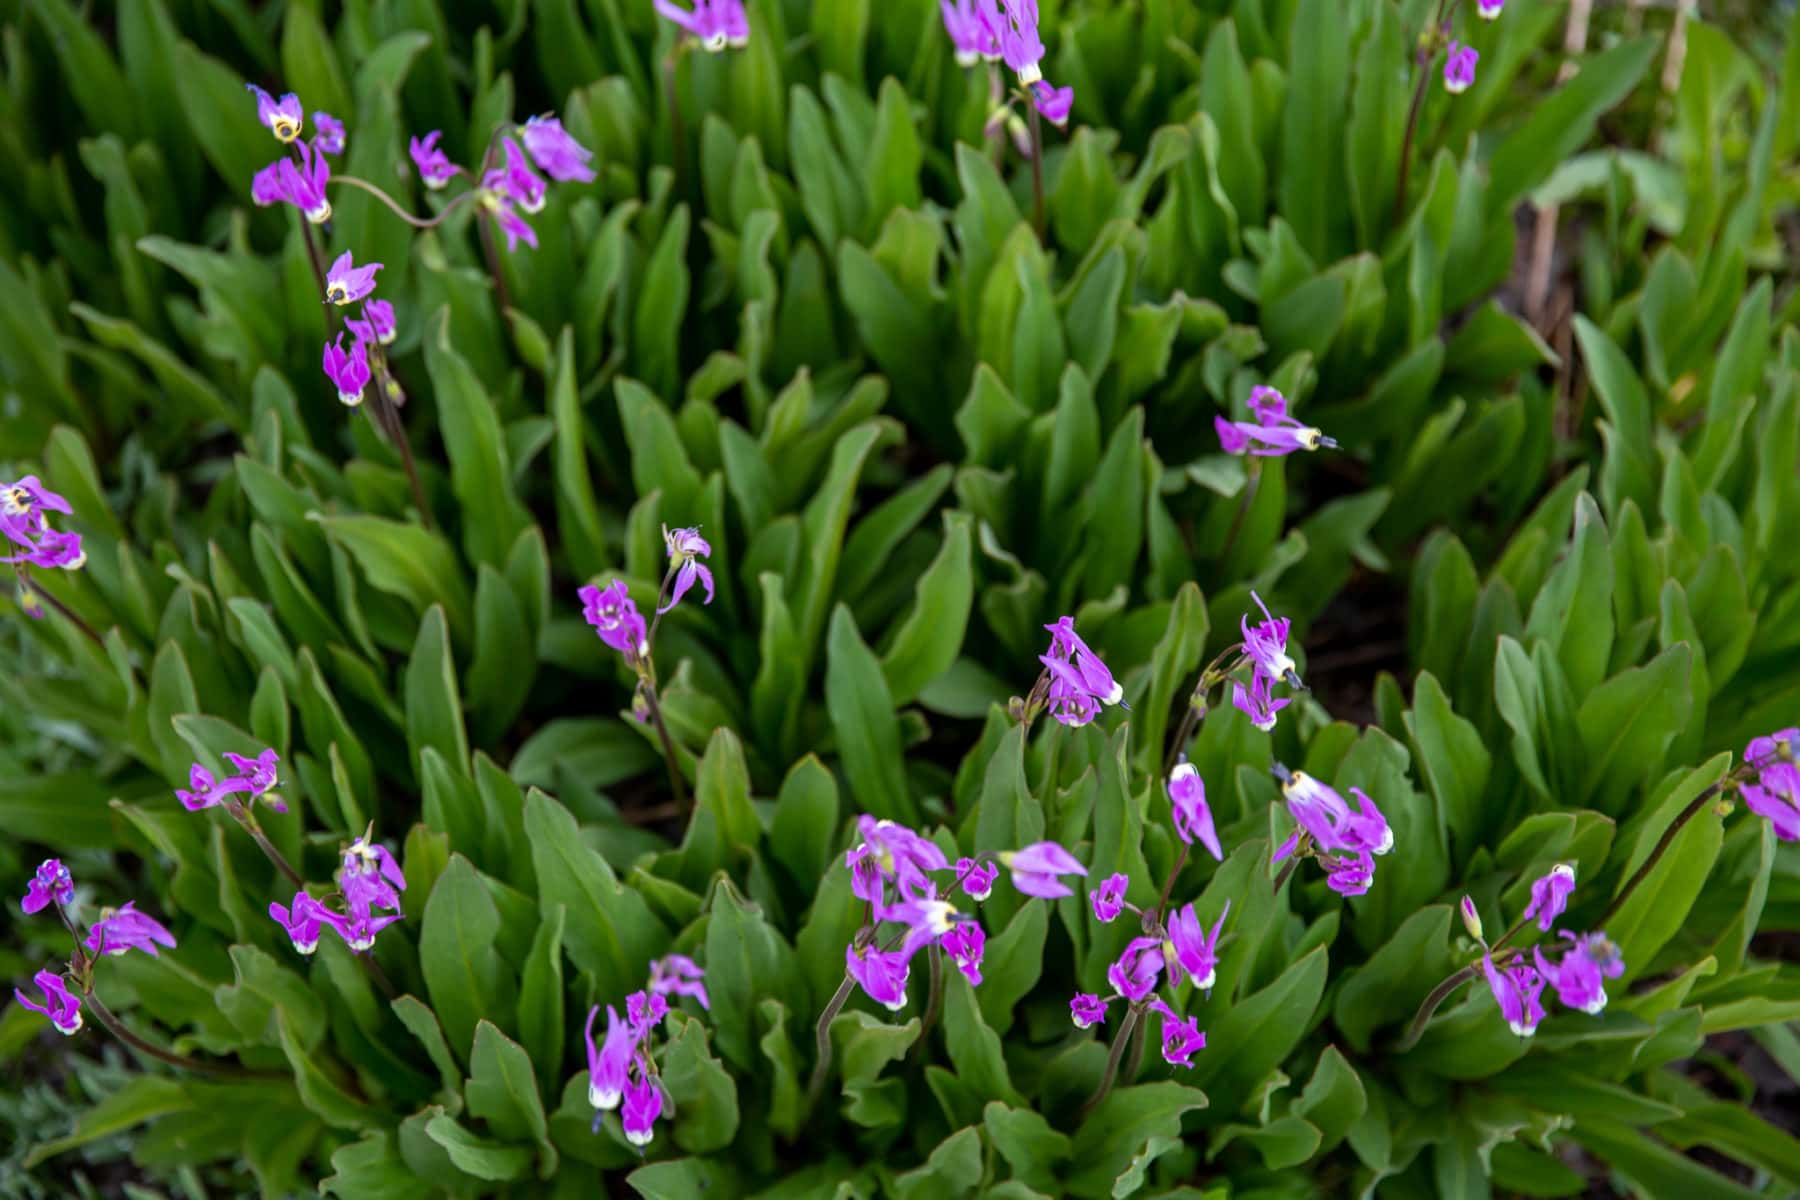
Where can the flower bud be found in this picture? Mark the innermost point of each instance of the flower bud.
(1471, 919)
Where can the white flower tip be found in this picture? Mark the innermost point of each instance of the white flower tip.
(895, 1005)
(321, 214)
(713, 44)
(1594, 1007)
(1564, 870)
(1117, 694)
(967, 58)
(71, 1029)
(1030, 74)
(1456, 87)
(1183, 770)
(1205, 983)
(603, 1099)
(1522, 1029)
(307, 947)
(1266, 724)
(639, 1137)
(1387, 841)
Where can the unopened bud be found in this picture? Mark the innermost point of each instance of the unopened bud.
(1471, 919)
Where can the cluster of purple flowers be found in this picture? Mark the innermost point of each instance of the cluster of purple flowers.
(890, 869)
(1460, 58)
(23, 523)
(715, 24)
(1776, 792)
(257, 777)
(1273, 434)
(1079, 683)
(118, 931)
(622, 1068)
(1265, 647)
(299, 180)
(1345, 840)
(511, 187)
(369, 883)
(1578, 977)
(615, 617)
(349, 370)
(1007, 31)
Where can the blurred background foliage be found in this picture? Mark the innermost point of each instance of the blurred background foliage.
(1541, 590)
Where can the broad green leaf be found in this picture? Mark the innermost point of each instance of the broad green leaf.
(466, 976)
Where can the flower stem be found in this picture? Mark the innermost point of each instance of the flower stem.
(396, 432)
(1287, 868)
(822, 1063)
(1112, 1062)
(318, 267)
(1438, 995)
(268, 848)
(149, 1050)
(933, 1007)
(1243, 509)
(394, 206)
(1406, 144)
(1162, 903)
(654, 703)
(492, 253)
(64, 611)
(1037, 170)
(1681, 819)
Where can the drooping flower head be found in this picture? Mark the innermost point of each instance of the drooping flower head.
(965, 944)
(926, 920)
(1020, 45)
(1349, 874)
(52, 881)
(556, 153)
(434, 166)
(1068, 700)
(328, 133)
(1193, 953)
(204, 791)
(1193, 818)
(615, 618)
(1035, 869)
(977, 878)
(643, 1104)
(302, 920)
(1550, 896)
(1459, 68)
(61, 1005)
(1053, 103)
(1580, 978)
(686, 548)
(1776, 796)
(302, 185)
(23, 523)
(644, 1011)
(1134, 974)
(1781, 746)
(1108, 900)
(679, 975)
(1516, 990)
(1321, 812)
(1087, 1010)
(897, 855)
(510, 222)
(715, 24)
(347, 283)
(1265, 645)
(284, 117)
(376, 325)
(1181, 1038)
(348, 370)
(1488, 10)
(1273, 434)
(124, 929)
(974, 35)
(371, 878)
(358, 927)
(1067, 645)
(524, 186)
(1257, 701)
(881, 974)
(608, 1063)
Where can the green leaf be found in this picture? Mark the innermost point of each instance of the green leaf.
(406, 561)
(1659, 906)
(611, 932)
(953, 1170)
(479, 1156)
(1312, 192)
(803, 834)
(746, 961)
(541, 995)
(327, 1098)
(480, 473)
(144, 1098)
(862, 715)
(1453, 759)
(1119, 1128)
(433, 713)
(1627, 722)
(1027, 1142)
(974, 1048)
(704, 1094)
(503, 1092)
(466, 976)
(423, 1024)
(931, 637)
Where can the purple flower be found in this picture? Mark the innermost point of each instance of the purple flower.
(1349, 874)
(977, 878)
(866, 882)
(53, 549)
(1273, 433)
(1067, 646)
(1053, 103)
(51, 882)
(880, 973)
(346, 282)
(328, 133)
(679, 975)
(1036, 867)
(370, 879)
(348, 371)
(206, 791)
(302, 186)
(22, 522)
(1265, 645)
(1257, 702)
(644, 1011)
(1087, 1010)
(716, 24)
(376, 324)
(1196, 954)
(435, 167)
(561, 156)
(1322, 813)
(686, 548)
(1550, 896)
(62, 1006)
(1761, 752)
(643, 1104)
(898, 855)
(1516, 989)
(1487, 10)
(1020, 45)
(1459, 68)
(518, 181)
(926, 921)
(973, 30)
(1135, 973)
(1193, 819)
(615, 618)
(1181, 1038)
(1109, 899)
(283, 117)
(125, 929)
(261, 774)
(1068, 700)
(965, 944)
(1471, 919)
(1776, 795)
(608, 1063)
(1580, 978)
(358, 927)
(508, 219)
(302, 920)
